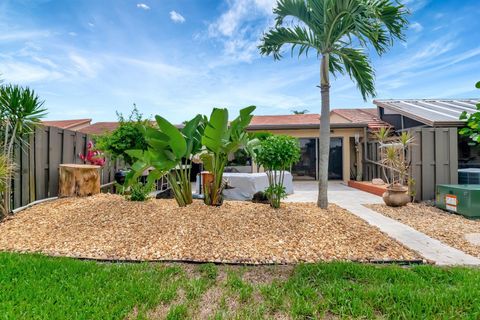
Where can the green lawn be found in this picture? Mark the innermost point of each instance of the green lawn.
(37, 287)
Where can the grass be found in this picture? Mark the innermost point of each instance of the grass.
(38, 287)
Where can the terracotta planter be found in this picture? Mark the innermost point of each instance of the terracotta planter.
(396, 196)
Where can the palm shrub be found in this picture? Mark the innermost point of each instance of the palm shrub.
(170, 152)
(20, 112)
(339, 32)
(277, 154)
(220, 140)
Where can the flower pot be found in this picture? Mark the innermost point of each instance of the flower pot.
(396, 196)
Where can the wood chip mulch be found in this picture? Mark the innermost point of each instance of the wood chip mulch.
(439, 224)
(107, 226)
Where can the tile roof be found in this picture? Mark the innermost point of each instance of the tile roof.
(368, 116)
(100, 127)
(67, 124)
(353, 117)
(290, 119)
(432, 112)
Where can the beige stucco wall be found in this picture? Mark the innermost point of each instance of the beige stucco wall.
(344, 133)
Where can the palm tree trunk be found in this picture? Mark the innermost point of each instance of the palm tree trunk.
(324, 145)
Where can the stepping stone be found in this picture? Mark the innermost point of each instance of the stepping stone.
(473, 238)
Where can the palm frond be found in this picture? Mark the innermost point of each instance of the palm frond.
(359, 69)
(299, 37)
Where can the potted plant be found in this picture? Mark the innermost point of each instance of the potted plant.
(394, 160)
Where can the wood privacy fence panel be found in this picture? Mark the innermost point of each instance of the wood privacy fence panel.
(372, 170)
(38, 160)
(434, 159)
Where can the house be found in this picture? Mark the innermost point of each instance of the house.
(438, 151)
(435, 157)
(349, 127)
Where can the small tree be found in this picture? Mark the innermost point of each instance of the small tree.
(472, 128)
(277, 154)
(127, 136)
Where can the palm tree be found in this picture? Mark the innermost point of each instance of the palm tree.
(338, 31)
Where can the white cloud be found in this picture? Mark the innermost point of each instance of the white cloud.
(240, 27)
(415, 5)
(84, 66)
(143, 6)
(19, 72)
(416, 26)
(23, 35)
(176, 17)
(73, 34)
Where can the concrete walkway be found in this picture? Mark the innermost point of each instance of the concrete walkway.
(353, 200)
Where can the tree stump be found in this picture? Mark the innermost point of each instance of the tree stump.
(78, 180)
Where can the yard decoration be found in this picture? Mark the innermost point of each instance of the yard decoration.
(340, 32)
(277, 154)
(20, 112)
(170, 152)
(472, 127)
(221, 139)
(78, 180)
(94, 157)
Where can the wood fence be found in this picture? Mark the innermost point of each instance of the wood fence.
(433, 160)
(38, 159)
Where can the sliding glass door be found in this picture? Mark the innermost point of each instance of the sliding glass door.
(306, 168)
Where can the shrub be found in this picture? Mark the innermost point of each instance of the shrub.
(260, 197)
(472, 125)
(277, 154)
(127, 136)
(139, 191)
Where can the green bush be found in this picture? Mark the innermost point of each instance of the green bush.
(277, 154)
(472, 127)
(139, 191)
(127, 136)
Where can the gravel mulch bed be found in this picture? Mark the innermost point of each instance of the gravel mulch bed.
(107, 226)
(446, 227)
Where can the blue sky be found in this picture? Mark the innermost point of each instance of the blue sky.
(90, 58)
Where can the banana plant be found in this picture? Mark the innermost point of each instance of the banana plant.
(170, 152)
(221, 139)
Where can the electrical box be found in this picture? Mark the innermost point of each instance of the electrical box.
(463, 199)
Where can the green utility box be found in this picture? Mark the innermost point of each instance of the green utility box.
(463, 199)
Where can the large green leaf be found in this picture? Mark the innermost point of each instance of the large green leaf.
(176, 140)
(193, 131)
(216, 131)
